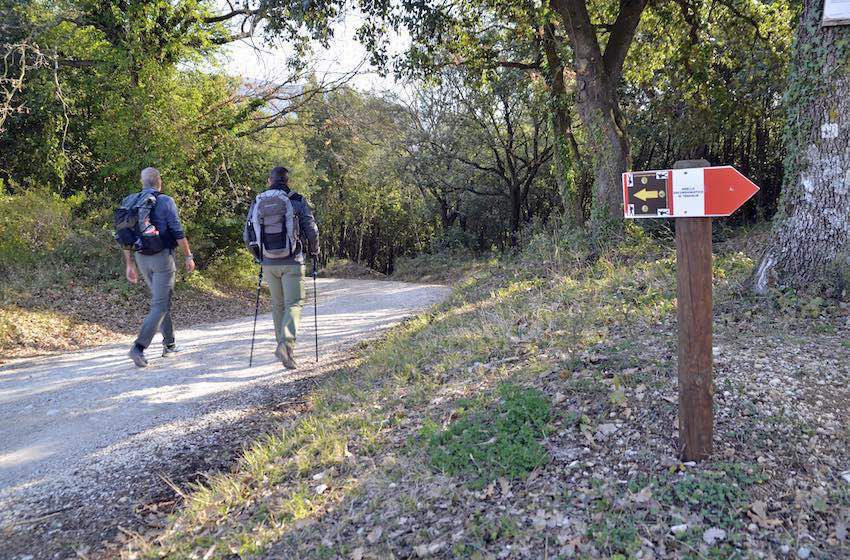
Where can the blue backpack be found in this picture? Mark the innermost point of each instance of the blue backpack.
(133, 228)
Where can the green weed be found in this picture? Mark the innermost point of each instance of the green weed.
(501, 440)
(719, 493)
(617, 535)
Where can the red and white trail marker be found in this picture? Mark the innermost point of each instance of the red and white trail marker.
(701, 192)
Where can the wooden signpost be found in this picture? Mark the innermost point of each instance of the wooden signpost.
(693, 193)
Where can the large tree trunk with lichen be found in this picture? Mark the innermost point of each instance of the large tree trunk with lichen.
(811, 241)
(574, 179)
(597, 75)
(599, 110)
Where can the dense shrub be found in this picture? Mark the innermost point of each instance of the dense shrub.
(236, 269)
(32, 225)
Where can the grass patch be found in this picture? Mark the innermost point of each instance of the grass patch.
(499, 440)
(444, 267)
(504, 313)
(617, 535)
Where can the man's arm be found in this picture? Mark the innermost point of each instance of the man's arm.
(130, 267)
(177, 231)
(309, 229)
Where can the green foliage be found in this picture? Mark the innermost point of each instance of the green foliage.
(464, 166)
(478, 153)
(706, 81)
(236, 269)
(719, 492)
(501, 440)
(366, 210)
(136, 98)
(32, 225)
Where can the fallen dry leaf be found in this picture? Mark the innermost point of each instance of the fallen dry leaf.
(758, 513)
(375, 535)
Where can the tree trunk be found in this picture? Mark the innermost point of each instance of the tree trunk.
(568, 164)
(598, 108)
(360, 241)
(447, 215)
(811, 239)
(597, 75)
(516, 209)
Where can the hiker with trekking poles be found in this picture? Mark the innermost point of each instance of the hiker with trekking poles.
(278, 224)
(149, 230)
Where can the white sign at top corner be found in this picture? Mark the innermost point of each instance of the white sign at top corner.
(836, 12)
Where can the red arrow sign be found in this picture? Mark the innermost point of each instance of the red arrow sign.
(685, 193)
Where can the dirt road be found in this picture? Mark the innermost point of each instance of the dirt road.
(87, 441)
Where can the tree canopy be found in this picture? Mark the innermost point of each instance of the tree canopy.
(515, 113)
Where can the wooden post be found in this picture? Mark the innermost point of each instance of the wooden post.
(696, 379)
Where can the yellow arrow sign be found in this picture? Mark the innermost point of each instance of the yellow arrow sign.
(645, 195)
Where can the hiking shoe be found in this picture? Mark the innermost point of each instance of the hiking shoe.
(138, 357)
(285, 353)
(168, 350)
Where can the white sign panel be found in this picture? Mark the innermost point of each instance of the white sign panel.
(688, 192)
(836, 12)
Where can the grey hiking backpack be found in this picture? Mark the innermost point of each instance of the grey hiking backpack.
(274, 224)
(133, 228)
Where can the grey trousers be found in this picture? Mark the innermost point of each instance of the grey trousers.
(159, 272)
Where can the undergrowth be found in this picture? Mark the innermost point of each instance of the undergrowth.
(486, 442)
(447, 401)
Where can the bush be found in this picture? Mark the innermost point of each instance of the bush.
(32, 225)
(344, 268)
(453, 240)
(91, 254)
(236, 269)
(445, 266)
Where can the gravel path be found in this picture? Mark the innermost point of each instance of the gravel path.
(92, 448)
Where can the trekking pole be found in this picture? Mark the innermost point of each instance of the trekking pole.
(256, 310)
(315, 312)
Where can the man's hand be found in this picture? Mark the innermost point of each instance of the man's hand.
(132, 274)
(187, 254)
(190, 264)
(314, 248)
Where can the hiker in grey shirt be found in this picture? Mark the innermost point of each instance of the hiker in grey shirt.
(158, 269)
(284, 274)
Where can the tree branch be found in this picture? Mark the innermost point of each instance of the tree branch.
(729, 5)
(247, 12)
(622, 34)
(536, 65)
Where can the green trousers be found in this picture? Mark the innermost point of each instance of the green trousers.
(286, 286)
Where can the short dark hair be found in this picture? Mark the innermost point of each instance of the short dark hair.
(279, 174)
